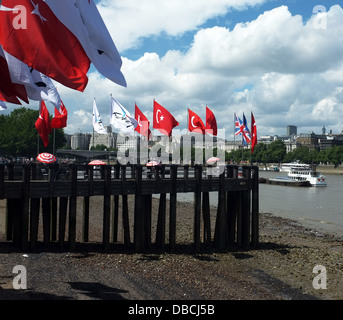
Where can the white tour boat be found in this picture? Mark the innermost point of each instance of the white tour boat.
(316, 179)
(287, 167)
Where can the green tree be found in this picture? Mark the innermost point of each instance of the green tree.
(19, 136)
(275, 152)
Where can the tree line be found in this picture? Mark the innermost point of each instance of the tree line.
(19, 136)
(275, 152)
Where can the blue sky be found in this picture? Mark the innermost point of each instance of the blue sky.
(279, 59)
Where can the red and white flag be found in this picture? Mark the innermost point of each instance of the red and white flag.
(59, 121)
(83, 19)
(9, 91)
(142, 123)
(43, 124)
(253, 133)
(195, 123)
(31, 32)
(163, 120)
(211, 122)
(37, 86)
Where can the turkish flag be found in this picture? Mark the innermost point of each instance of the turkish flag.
(211, 122)
(143, 123)
(83, 19)
(195, 123)
(43, 124)
(60, 119)
(163, 120)
(9, 91)
(33, 34)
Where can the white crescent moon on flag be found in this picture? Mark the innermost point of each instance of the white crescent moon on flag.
(157, 115)
(3, 8)
(139, 121)
(192, 123)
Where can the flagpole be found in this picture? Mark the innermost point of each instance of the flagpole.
(53, 142)
(37, 144)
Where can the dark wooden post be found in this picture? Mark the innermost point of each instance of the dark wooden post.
(46, 213)
(246, 209)
(197, 207)
(255, 208)
(221, 233)
(107, 209)
(147, 199)
(161, 220)
(230, 207)
(26, 207)
(206, 215)
(125, 209)
(85, 220)
(34, 220)
(72, 208)
(53, 218)
(115, 208)
(185, 177)
(62, 220)
(86, 199)
(172, 208)
(139, 211)
(2, 181)
(10, 207)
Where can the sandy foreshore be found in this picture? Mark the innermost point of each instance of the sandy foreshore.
(281, 268)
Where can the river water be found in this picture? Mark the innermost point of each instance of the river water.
(317, 207)
(320, 208)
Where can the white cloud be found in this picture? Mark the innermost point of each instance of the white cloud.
(282, 68)
(130, 21)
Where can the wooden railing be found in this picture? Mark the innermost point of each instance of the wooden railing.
(28, 190)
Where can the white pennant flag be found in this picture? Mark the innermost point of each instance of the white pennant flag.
(97, 123)
(121, 119)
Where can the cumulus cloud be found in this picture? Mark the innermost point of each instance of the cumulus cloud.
(282, 68)
(130, 21)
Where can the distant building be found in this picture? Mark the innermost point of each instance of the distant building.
(291, 131)
(80, 141)
(309, 140)
(108, 140)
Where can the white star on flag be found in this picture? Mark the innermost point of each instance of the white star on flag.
(36, 11)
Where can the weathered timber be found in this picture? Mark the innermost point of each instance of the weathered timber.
(25, 192)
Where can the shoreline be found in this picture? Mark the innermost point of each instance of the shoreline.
(281, 268)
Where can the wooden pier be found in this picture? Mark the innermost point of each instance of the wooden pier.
(29, 191)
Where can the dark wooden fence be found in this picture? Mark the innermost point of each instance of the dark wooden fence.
(28, 189)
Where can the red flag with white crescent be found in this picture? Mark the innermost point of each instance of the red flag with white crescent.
(211, 122)
(163, 120)
(31, 32)
(195, 123)
(43, 124)
(60, 119)
(143, 123)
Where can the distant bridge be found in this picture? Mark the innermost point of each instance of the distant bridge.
(86, 154)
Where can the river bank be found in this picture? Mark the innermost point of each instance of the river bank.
(281, 268)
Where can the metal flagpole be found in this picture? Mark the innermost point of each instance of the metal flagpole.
(53, 142)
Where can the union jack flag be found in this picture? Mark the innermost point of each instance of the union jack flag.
(242, 128)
